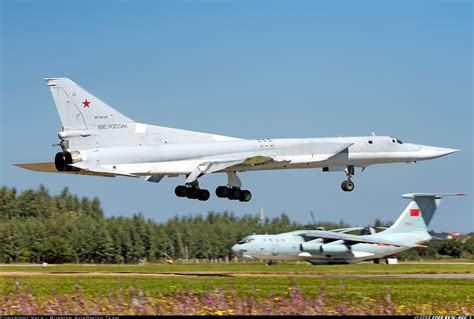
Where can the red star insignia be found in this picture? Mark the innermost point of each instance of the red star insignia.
(86, 103)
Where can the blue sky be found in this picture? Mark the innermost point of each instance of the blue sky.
(251, 69)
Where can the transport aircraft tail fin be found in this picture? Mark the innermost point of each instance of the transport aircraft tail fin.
(419, 212)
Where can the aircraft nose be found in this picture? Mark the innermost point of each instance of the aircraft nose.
(430, 152)
(235, 250)
(446, 151)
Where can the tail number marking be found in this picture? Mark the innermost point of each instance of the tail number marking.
(111, 126)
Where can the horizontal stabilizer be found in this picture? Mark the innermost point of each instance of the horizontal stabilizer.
(430, 195)
(49, 167)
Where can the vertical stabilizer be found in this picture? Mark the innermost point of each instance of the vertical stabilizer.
(80, 110)
(419, 212)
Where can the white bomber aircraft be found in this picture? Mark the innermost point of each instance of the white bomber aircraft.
(98, 140)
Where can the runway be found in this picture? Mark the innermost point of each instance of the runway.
(233, 275)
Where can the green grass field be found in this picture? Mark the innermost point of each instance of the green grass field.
(284, 268)
(95, 281)
(403, 291)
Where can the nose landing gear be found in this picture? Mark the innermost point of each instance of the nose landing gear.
(348, 185)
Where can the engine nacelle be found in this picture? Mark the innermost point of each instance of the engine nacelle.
(248, 257)
(63, 159)
(311, 246)
(334, 249)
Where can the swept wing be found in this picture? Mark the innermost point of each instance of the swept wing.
(355, 239)
(220, 165)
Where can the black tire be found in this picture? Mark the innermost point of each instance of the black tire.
(203, 194)
(245, 196)
(180, 191)
(234, 193)
(222, 191)
(349, 186)
(192, 193)
(343, 186)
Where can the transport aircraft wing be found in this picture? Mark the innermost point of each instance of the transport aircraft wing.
(355, 239)
(51, 168)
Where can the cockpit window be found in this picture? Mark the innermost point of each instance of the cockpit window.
(246, 240)
(396, 140)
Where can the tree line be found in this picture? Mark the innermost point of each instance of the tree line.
(38, 227)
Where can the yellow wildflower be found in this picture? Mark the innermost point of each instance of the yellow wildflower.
(219, 312)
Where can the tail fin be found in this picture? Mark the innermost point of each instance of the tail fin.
(418, 213)
(89, 122)
(80, 110)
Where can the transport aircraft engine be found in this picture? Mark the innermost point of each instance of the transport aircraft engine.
(311, 246)
(334, 249)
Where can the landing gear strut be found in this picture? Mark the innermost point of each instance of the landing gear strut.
(233, 191)
(348, 185)
(192, 191)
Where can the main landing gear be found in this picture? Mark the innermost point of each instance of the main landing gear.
(348, 185)
(233, 191)
(192, 192)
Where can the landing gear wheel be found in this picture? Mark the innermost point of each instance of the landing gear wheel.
(343, 186)
(222, 191)
(245, 196)
(234, 193)
(192, 193)
(181, 191)
(203, 194)
(349, 186)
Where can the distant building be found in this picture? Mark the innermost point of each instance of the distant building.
(449, 236)
(439, 236)
(459, 236)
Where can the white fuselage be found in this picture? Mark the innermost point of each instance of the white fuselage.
(182, 158)
(289, 246)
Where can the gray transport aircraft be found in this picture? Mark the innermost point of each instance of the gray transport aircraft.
(98, 140)
(338, 247)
